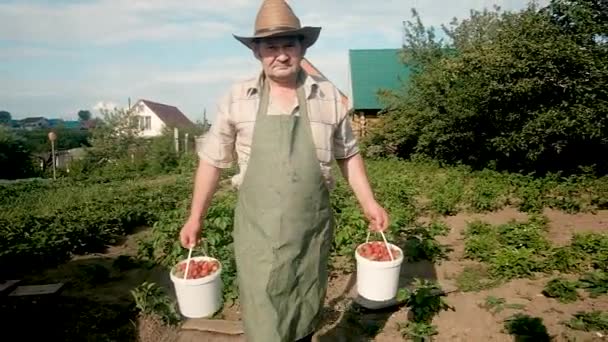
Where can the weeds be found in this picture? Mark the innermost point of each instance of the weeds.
(595, 283)
(425, 301)
(589, 321)
(421, 243)
(519, 250)
(497, 304)
(150, 299)
(564, 290)
(475, 278)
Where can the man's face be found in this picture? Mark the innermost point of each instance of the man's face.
(280, 56)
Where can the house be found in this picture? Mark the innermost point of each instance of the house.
(34, 123)
(371, 71)
(154, 117)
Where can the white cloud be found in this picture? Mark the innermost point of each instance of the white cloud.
(105, 105)
(44, 30)
(31, 52)
(113, 21)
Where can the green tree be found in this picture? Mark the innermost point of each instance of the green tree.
(15, 161)
(5, 117)
(115, 137)
(84, 115)
(510, 90)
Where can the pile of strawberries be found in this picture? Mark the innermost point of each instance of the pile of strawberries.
(377, 251)
(197, 269)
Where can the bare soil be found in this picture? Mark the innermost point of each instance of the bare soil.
(92, 310)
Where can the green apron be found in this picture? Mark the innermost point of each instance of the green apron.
(283, 228)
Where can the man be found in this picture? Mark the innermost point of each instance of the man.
(285, 128)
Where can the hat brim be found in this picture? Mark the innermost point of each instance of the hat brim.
(309, 36)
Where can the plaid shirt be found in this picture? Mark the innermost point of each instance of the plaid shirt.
(230, 136)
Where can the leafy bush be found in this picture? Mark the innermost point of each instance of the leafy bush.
(509, 90)
(512, 250)
(46, 225)
(563, 290)
(589, 321)
(15, 161)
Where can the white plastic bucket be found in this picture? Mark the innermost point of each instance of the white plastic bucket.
(198, 298)
(378, 280)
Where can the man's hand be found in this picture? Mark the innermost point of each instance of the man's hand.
(377, 216)
(190, 233)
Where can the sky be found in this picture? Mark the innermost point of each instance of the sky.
(61, 56)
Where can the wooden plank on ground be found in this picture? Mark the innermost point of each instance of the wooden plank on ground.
(214, 325)
(198, 336)
(36, 290)
(8, 285)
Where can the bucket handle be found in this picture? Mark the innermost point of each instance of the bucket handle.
(388, 248)
(190, 257)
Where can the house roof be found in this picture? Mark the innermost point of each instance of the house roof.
(170, 115)
(32, 119)
(373, 70)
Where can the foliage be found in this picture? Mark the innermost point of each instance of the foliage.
(595, 282)
(5, 117)
(425, 300)
(115, 137)
(420, 242)
(497, 304)
(164, 248)
(475, 278)
(51, 221)
(84, 115)
(516, 250)
(418, 331)
(37, 140)
(589, 321)
(150, 299)
(527, 328)
(564, 290)
(15, 161)
(512, 250)
(509, 90)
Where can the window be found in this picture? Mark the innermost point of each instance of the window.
(145, 123)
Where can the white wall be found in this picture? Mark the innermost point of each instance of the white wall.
(156, 124)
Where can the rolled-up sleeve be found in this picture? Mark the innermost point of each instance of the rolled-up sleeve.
(217, 146)
(345, 141)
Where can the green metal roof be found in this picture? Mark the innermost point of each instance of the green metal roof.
(372, 70)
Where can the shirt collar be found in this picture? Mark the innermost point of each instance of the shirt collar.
(311, 86)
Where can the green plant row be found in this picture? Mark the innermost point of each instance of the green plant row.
(521, 249)
(46, 226)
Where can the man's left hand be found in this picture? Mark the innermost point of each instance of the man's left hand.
(377, 216)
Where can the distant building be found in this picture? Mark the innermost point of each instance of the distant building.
(33, 123)
(153, 117)
(373, 70)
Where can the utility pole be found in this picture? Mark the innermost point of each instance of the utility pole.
(52, 138)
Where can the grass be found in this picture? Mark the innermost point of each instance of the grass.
(498, 304)
(596, 321)
(474, 279)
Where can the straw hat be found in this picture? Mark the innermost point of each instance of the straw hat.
(275, 19)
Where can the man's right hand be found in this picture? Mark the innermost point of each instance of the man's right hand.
(190, 233)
